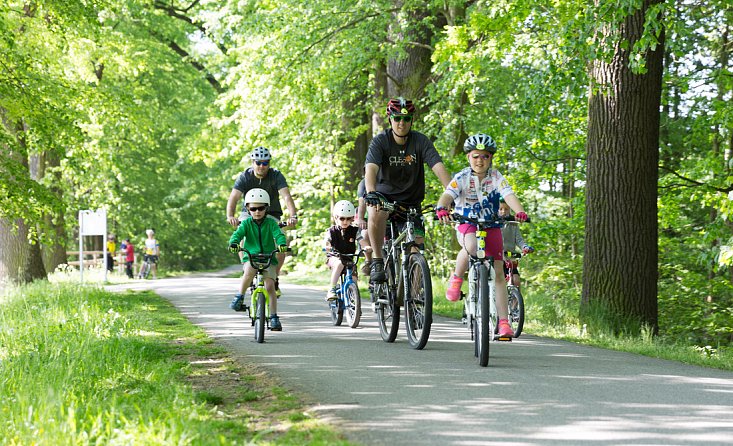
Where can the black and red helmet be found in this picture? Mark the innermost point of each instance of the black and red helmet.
(400, 106)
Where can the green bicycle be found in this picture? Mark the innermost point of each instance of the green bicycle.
(259, 309)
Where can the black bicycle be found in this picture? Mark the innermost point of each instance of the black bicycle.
(408, 280)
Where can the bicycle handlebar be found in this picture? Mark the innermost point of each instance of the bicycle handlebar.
(493, 219)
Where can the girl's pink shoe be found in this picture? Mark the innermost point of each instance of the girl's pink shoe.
(453, 293)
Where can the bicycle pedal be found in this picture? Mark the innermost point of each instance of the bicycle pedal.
(504, 338)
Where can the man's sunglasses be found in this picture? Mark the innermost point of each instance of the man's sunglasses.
(346, 218)
(262, 163)
(398, 118)
(257, 209)
(480, 155)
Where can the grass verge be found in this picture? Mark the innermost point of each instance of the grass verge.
(80, 365)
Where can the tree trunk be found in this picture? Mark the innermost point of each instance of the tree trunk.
(620, 261)
(408, 73)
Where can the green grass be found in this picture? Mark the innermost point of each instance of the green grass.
(79, 365)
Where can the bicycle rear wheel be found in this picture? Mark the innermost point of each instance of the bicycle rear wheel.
(353, 305)
(419, 302)
(516, 310)
(260, 321)
(483, 329)
(388, 310)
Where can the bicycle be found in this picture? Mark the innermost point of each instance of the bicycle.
(480, 303)
(144, 272)
(347, 295)
(260, 299)
(408, 281)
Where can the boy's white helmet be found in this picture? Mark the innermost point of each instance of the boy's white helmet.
(343, 208)
(257, 196)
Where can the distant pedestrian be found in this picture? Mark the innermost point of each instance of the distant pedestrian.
(129, 257)
(111, 249)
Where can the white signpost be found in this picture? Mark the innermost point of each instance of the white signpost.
(92, 223)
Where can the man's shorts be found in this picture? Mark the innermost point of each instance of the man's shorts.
(151, 258)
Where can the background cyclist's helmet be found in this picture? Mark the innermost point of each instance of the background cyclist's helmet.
(400, 106)
(260, 154)
(257, 196)
(479, 141)
(149, 232)
(343, 208)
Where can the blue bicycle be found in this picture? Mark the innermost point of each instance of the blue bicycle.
(348, 299)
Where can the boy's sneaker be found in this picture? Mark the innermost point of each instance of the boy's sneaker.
(332, 294)
(505, 330)
(377, 271)
(275, 324)
(238, 303)
(453, 293)
(366, 268)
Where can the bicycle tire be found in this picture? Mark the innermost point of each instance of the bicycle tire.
(515, 303)
(144, 271)
(484, 330)
(337, 311)
(419, 303)
(388, 313)
(352, 302)
(260, 321)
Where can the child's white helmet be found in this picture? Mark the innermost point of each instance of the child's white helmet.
(257, 196)
(343, 208)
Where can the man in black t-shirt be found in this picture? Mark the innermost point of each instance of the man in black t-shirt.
(261, 175)
(395, 168)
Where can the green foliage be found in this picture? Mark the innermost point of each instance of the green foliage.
(150, 109)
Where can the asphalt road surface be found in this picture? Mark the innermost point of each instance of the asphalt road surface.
(536, 391)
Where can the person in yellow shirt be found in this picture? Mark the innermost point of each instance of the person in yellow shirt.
(111, 250)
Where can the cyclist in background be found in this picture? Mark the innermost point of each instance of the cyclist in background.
(513, 242)
(341, 238)
(361, 222)
(476, 191)
(261, 235)
(395, 170)
(152, 252)
(261, 175)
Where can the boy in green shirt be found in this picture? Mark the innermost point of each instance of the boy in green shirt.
(261, 234)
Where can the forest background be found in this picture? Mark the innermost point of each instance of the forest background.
(149, 108)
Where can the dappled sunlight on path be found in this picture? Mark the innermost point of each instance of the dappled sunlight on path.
(535, 391)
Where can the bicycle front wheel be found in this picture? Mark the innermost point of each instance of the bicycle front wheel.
(516, 310)
(483, 329)
(337, 311)
(260, 321)
(388, 310)
(353, 305)
(419, 302)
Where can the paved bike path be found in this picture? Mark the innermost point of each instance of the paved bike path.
(536, 391)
